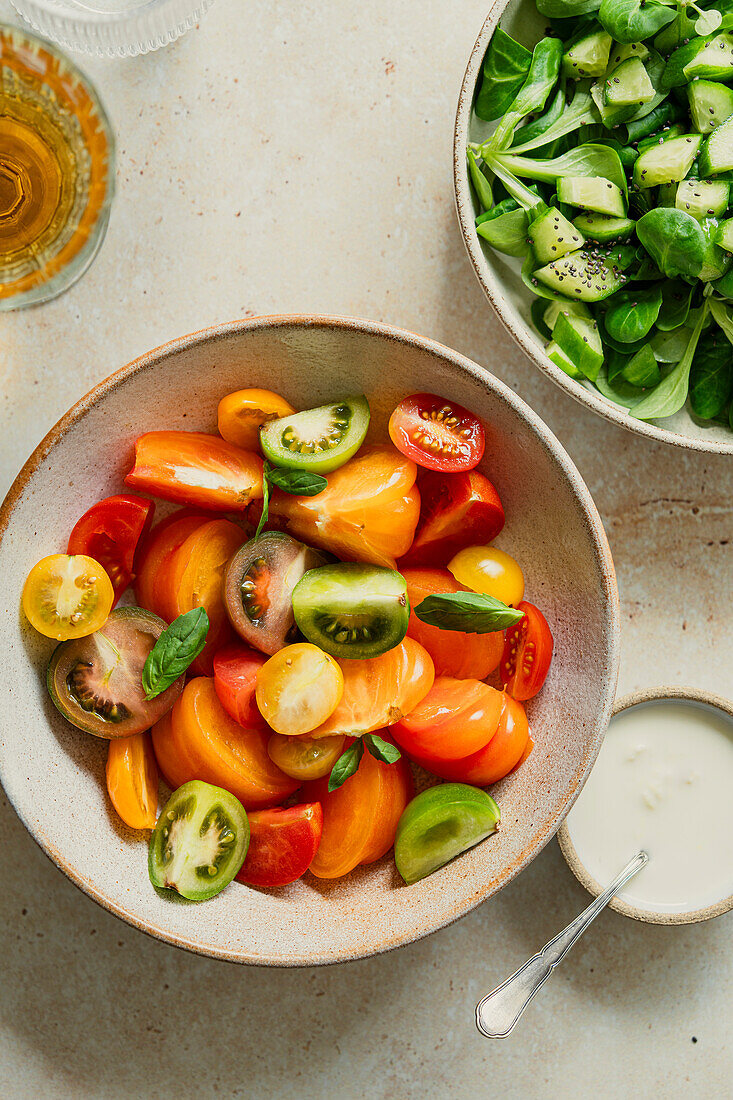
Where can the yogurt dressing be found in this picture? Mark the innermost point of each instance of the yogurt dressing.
(663, 782)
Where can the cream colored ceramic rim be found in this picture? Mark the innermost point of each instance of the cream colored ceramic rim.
(611, 626)
(650, 916)
(492, 286)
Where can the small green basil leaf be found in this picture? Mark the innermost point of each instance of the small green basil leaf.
(642, 369)
(505, 68)
(634, 20)
(674, 240)
(676, 298)
(346, 765)
(506, 233)
(470, 612)
(175, 649)
(619, 390)
(299, 483)
(381, 749)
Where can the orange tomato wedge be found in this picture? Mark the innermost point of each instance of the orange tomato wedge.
(368, 512)
(132, 780)
(198, 740)
(497, 758)
(464, 656)
(196, 468)
(380, 691)
(153, 559)
(195, 578)
(360, 817)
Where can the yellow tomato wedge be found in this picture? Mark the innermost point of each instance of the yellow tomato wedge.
(242, 414)
(67, 596)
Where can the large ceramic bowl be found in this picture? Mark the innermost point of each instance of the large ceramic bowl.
(499, 275)
(54, 774)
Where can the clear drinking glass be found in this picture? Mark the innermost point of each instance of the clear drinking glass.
(112, 28)
(57, 170)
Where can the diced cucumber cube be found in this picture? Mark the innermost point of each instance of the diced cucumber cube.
(669, 162)
(620, 51)
(717, 152)
(724, 235)
(703, 198)
(579, 338)
(555, 308)
(560, 359)
(552, 235)
(711, 103)
(597, 194)
(588, 57)
(582, 276)
(714, 61)
(603, 227)
(628, 85)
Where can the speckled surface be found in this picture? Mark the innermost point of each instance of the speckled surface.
(304, 164)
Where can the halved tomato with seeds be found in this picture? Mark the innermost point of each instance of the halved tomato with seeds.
(527, 654)
(154, 557)
(437, 433)
(456, 510)
(109, 532)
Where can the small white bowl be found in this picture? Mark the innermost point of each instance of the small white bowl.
(499, 275)
(650, 916)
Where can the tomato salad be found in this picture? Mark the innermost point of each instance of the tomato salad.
(316, 617)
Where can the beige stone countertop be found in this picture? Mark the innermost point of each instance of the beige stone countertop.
(294, 157)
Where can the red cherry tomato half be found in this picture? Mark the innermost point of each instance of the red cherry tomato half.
(527, 654)
(455, 511)
(436, 433)
(197, 469)
(235, 679)
(109, 532)
(282, 844)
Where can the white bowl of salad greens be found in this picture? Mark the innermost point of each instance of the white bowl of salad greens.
(593, 167)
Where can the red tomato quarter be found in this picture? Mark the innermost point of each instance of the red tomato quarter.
(282, 844)
(456, 511)
(109, 532)
(527, 654)
(235, 679)
(456, 718)
(196, 468)
(436, 433)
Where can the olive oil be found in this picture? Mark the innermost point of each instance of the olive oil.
(55, 171)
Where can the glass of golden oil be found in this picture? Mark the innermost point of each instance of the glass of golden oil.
(56, 171)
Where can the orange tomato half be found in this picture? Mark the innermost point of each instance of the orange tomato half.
(195, 578)
(198, 740)
(368, 512)
(132, 780)
(496, 759)
(360, 817)
(465, 656)
(380, 690)
(456, 718)
(153, 557)
(242, 414)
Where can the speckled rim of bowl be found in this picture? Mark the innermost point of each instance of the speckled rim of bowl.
(650, 916)
(492, 287)
(552, 445)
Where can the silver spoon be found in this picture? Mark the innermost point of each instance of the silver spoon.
(498, 1012)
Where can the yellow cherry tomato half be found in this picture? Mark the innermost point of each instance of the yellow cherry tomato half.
(67, 596)
(305, 757)
(298, 689)
(491, 571)
(242, 414)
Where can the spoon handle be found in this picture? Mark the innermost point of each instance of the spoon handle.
(498, 1012)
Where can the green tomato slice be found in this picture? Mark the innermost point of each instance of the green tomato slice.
(199, 841)
(439, 824)
(352, 610)
(319, 440)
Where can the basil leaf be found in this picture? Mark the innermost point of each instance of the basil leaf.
(505, 69)
(674, 240)
(346, 765)
(299, 483)
(470, 612)
(175, 649)
(543, 72)
(381, 749)
(634, 20)
(265, 502)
